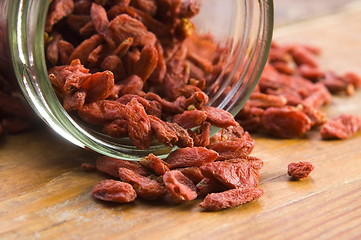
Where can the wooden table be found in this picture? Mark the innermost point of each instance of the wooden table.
(44, 194)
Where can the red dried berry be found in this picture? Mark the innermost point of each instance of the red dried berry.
(179, 187)
(162, 131)
(114, 191)
(341, 127)
(286, 122)
(230, 198)
(154, 164)
(98, 86)
(102, 112)
(234, 148)
(111, 165)
(190, 157)
(236, 174)
(300, 170)
(144, 187)
(219, 117)
(139, 129)
(190, 119)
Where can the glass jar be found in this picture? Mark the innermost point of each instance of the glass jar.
(242, 26)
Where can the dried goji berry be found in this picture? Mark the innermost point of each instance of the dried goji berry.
(167, 106)
(139, 129)
(111, 165)
(123, 26)
(230, 133)
(151, 107)
(144, 187)
(98, 86)
(52, 51)
(101, 22)
(190, 119)
(262, 100)
(83, 50)
(66, 49)
(230, 198)
(123, 47)
(193, 173)
(102, 112)
(198, 99)
(147, 62)
(184, 140)
(302, 55)
(318, 97)
(114, 64)
(74, 101)
(68, 78)
(158, 74)
(236, 174)
(58, 10)
(341, 127)
(300, 170)
(284, 67)
(335, 84)
(207, 185)
(88, 167)
(252, 161)
(132, 85)
(310, 72)
(219, 117)
(114, 191)
(201, 135)
(162, 131)
(286, 122)
(179, 187)
(154, 164)
(190, 157)
(353, 78)
(234, 148)
(117, 128)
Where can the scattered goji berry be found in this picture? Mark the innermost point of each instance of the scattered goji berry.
(230, 198)
(341, 127)
(300, 170)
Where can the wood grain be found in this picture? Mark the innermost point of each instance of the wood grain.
(44, 194)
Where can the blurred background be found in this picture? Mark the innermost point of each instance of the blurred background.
(288, 11)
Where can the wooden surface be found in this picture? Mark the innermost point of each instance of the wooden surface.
(44, 194)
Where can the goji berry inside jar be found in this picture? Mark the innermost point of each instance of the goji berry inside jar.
(223, 49)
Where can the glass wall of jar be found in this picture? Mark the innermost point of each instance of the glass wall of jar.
(242, 27)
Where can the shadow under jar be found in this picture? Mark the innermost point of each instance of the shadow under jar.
(242, 27)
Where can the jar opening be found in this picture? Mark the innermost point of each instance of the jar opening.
(244, 33)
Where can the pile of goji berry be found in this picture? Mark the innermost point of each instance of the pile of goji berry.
(291, 91)
(136, 69)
